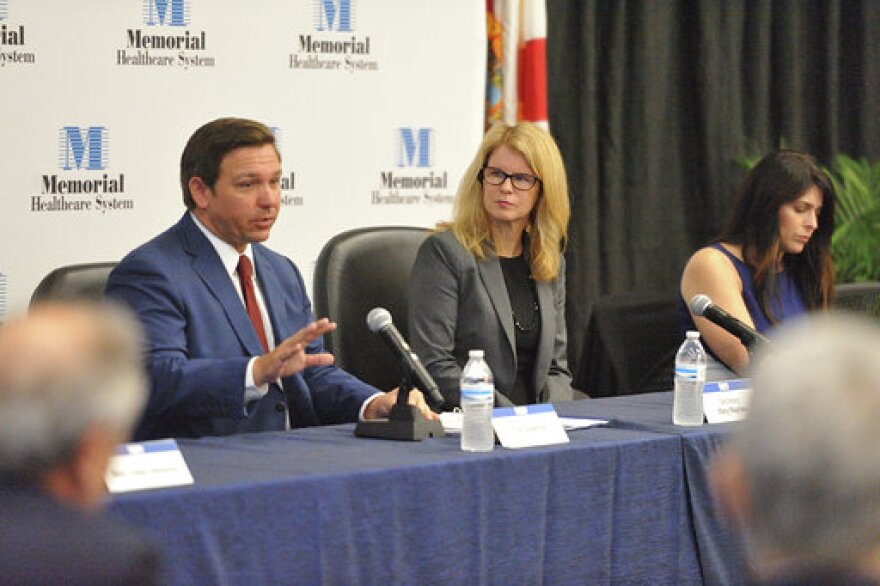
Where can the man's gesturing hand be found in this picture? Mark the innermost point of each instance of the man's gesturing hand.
(290, 357)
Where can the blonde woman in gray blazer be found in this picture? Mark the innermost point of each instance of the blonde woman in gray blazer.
(494, 277)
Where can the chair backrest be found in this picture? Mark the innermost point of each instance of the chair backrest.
(74, 282)
(355, 272)
(631, 345)
(859, 297)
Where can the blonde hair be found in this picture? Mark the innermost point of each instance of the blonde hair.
(549, 218)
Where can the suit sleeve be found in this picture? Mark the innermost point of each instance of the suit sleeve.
(433, 314)
(180, 386)
(558, 385)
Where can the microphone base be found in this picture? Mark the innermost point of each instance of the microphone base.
(405, 424)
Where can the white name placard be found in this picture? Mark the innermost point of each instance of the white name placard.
(153, 464)
(528, 425)
(726, 400)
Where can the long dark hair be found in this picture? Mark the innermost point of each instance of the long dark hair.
(779, 178)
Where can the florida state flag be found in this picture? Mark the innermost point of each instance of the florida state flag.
(516, 76)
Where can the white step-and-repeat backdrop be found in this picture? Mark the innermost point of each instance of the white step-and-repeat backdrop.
(377, 107)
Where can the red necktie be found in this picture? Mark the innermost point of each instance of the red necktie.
(245, 272)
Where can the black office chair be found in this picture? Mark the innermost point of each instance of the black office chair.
(74, 282)
(631, 344)
(357, 271)
(859, 297)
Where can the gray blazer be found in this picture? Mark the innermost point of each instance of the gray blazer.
(458, 303)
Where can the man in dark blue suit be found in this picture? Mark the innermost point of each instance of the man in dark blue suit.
(71, 388)
(232, 343)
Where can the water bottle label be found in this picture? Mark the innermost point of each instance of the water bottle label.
(688, 372)
(477, 391)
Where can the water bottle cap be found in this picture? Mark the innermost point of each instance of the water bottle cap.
(693, 335)
(475, 353)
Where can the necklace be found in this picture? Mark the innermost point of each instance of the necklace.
(527, 328)
(521, 292)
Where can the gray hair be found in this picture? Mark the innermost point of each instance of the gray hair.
(811, 444)
(63, 369)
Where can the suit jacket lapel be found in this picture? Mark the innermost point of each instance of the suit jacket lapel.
(269, 284)
(295, 388)
(493, 281)
(547, 345)
(209, 268)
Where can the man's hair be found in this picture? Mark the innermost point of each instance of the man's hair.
(63, 369)
(209, 144)
(811, 443)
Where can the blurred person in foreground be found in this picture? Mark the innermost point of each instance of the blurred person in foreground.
(232, 344)
(802, 472)
(494, 277)
(71, 388)
(772, 262)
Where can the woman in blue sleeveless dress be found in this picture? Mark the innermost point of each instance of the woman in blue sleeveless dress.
(772, 262)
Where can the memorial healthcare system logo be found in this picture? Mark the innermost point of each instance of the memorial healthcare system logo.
(288, 180)
(13, 41)
(416, 180)
(333, 44)
(167, 40)
(83, 182)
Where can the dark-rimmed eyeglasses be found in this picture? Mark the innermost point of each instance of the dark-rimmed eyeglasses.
(495, 176)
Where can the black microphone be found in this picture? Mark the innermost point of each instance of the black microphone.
(702, 306)
(379, 321)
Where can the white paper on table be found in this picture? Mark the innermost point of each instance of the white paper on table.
(451, 421)
(570, 423)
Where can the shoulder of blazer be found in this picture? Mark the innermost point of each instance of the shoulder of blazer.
(282, 265)
(452, 248)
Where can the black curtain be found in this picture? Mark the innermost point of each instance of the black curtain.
(654, 103)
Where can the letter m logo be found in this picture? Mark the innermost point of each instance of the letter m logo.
(82, 148)
(166, 12)
(278, 134)
(333, 15)
(414, 147)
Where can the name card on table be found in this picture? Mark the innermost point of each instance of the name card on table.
(726, 400)
(528, 425)
(154, 464)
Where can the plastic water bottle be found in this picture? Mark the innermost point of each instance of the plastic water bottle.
(690, 375)
(477, 400)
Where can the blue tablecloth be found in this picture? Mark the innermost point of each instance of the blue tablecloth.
(721, 551)
(622, 504)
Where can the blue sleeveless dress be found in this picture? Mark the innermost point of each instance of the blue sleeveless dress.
(788, 303)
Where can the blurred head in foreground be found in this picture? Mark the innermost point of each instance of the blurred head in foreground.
(71, 388)
(802, 473)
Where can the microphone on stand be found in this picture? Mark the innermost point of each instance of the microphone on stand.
(702, 306)
(379, 321)
(405, 422)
